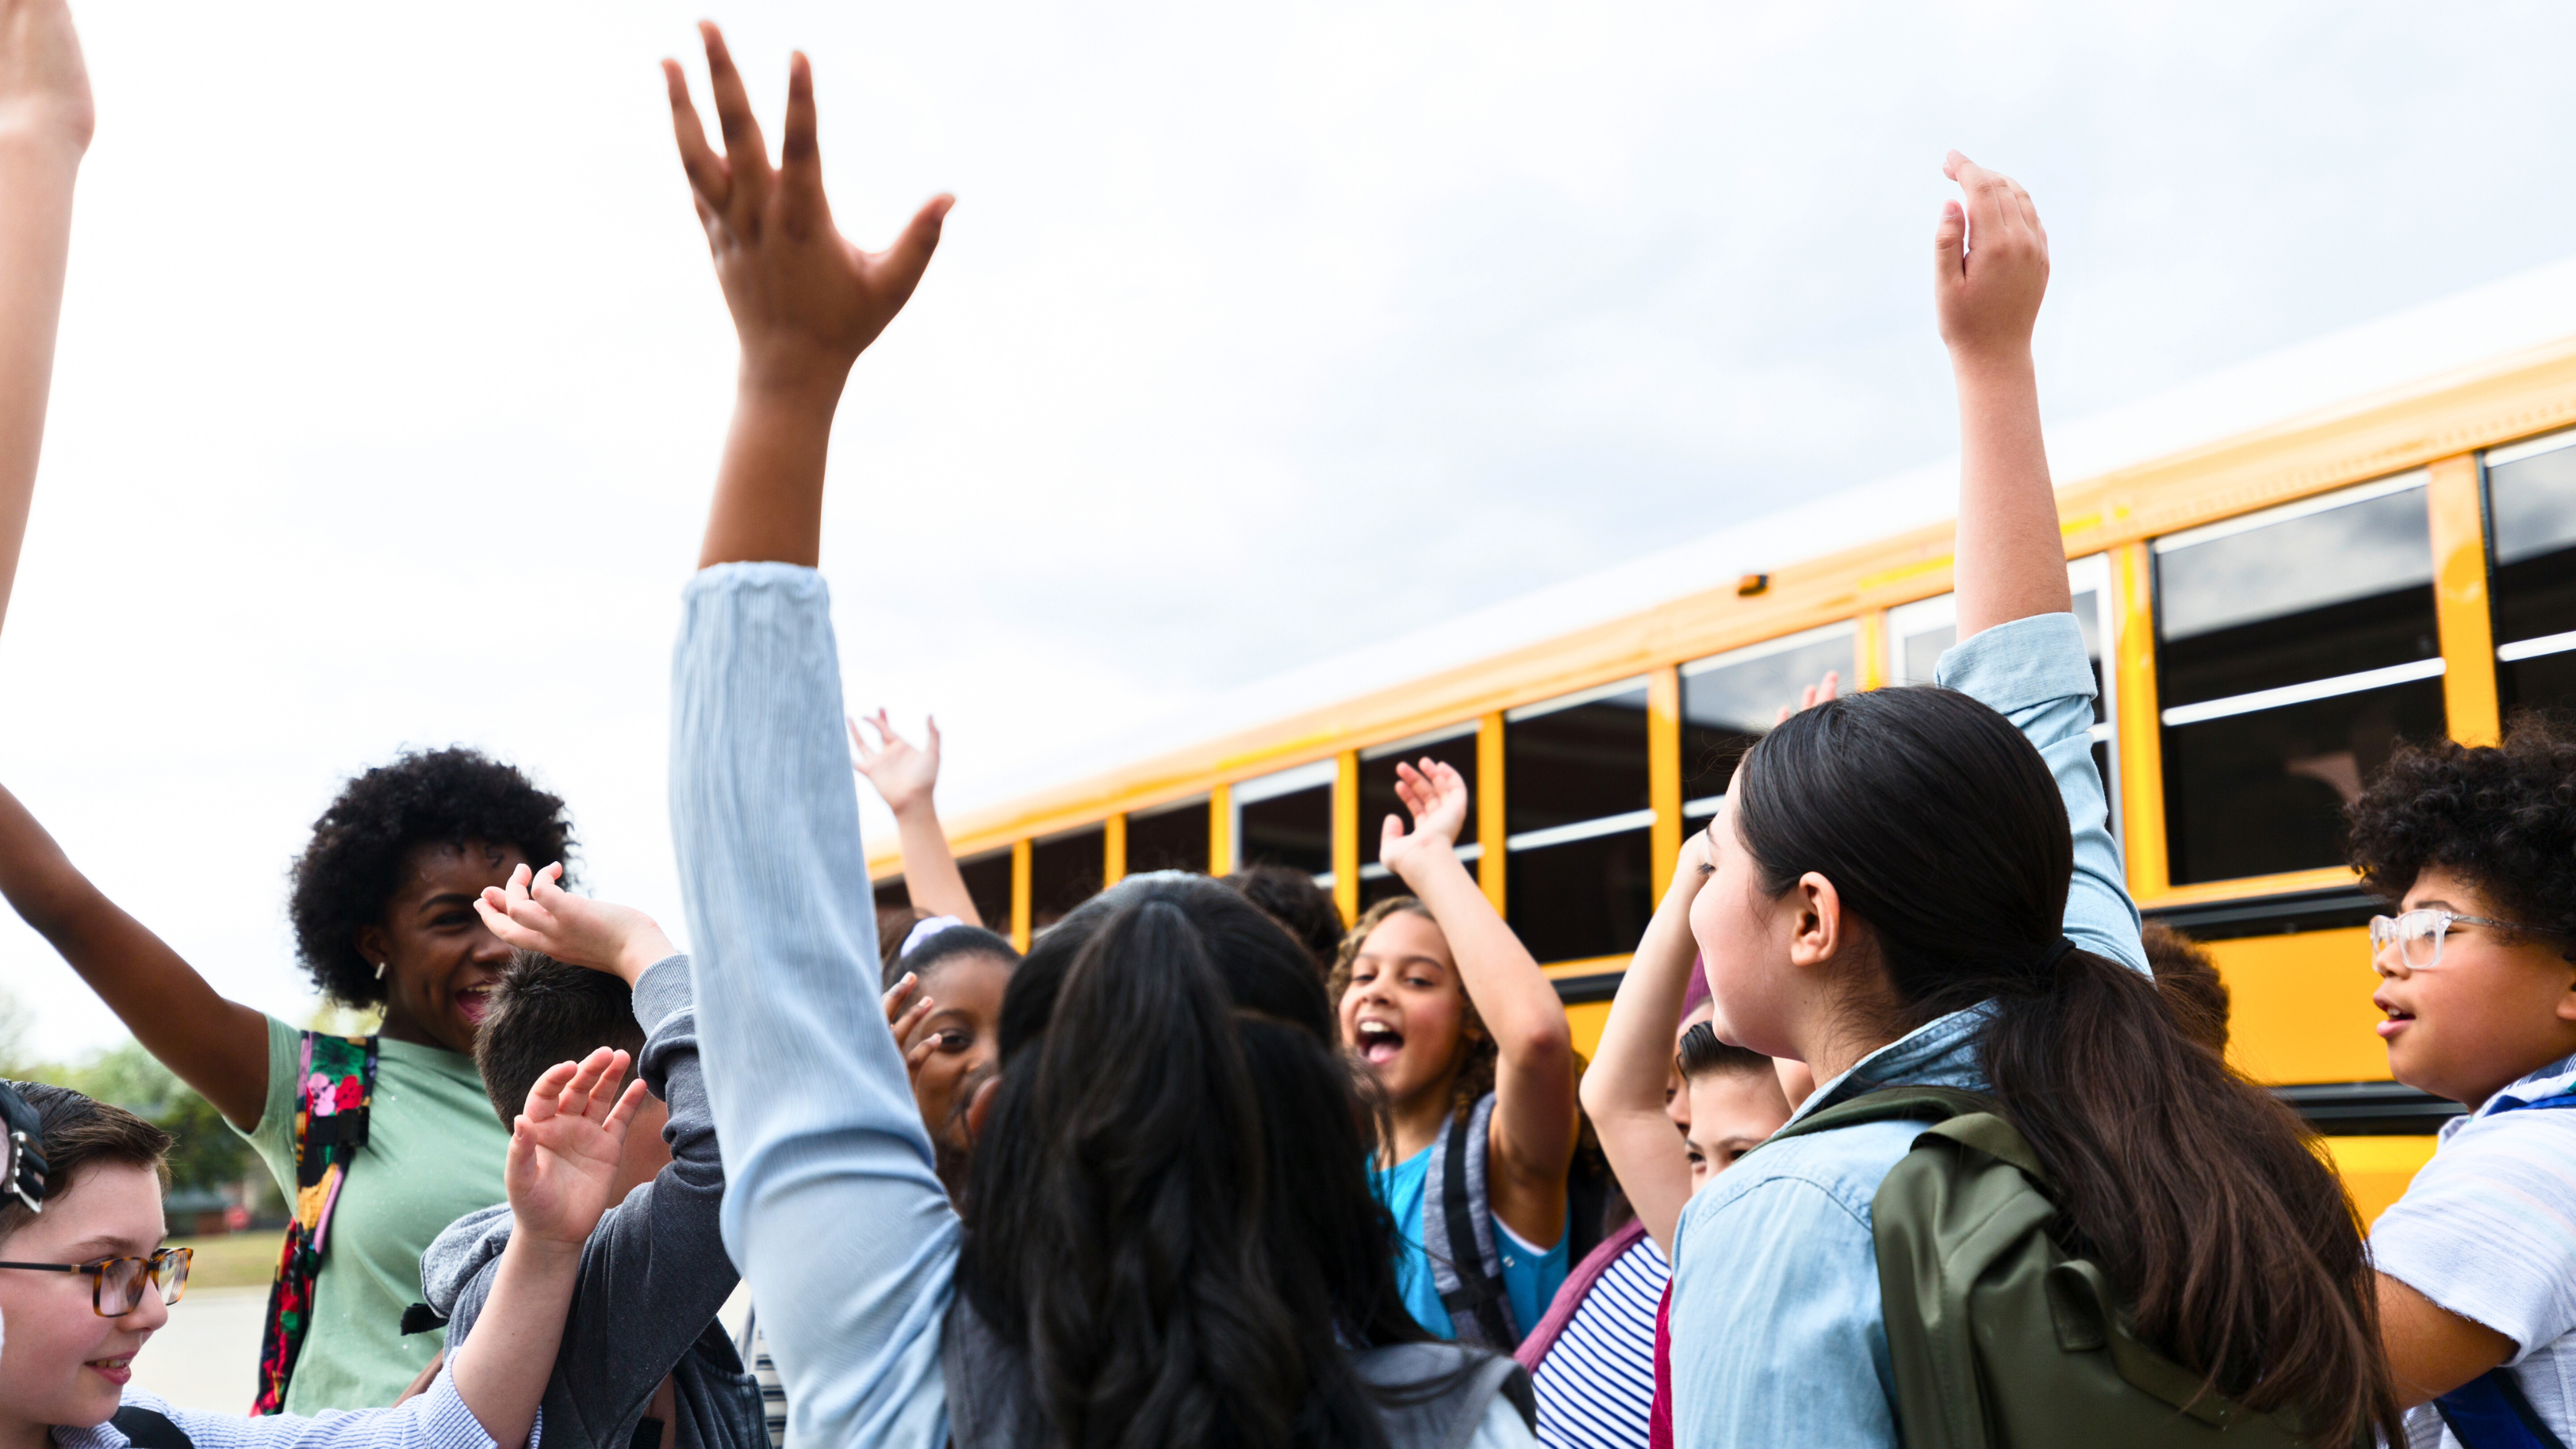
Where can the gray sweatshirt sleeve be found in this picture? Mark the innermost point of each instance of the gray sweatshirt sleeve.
(841, 1226)
(654, 1271)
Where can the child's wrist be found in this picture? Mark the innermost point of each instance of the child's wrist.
(783, 377)
(642, 951)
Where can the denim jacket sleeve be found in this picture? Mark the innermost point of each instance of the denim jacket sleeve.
(831, 1207)
(2034, 672)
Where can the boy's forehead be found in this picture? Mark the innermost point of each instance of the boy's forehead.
(110, 1209)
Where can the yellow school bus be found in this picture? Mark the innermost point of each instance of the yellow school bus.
(2281, 571)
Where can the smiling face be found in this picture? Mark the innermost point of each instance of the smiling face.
(1405, 1013)
(967, 1029)
(64, 1364)
(440, 961)
(2495, 1007)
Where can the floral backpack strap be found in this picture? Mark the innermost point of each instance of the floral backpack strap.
(335, 1085)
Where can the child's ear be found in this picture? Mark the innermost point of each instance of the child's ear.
(2567, 1001)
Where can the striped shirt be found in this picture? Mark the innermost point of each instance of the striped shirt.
(2488, 1231)
(1597, 1383)
(436, 1419)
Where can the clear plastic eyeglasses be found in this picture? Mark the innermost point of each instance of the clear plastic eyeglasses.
(2418, 934)
(116, 1284)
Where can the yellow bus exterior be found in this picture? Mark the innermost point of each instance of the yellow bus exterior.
(2289, 942)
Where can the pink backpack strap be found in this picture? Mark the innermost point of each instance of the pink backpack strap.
(1659, 1419)
(1569, 1297)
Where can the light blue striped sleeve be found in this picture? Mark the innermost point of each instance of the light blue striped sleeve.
(831, 1210)
(434, 1419)
(2035, 673)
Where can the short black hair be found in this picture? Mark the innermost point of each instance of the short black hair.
(545, 1013)
(353, 865)
(1703, 1055)
(953, 944)
(1292, 898)
(2502, 816)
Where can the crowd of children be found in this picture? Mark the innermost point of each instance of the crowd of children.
(1900, 1130)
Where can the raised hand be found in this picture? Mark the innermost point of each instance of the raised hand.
(1435, 794)
(535, 913)
(1990, 264)
(904, 776)
(1814, 694)
(44, 85)
(805, 302)
(905, 1020)
(564, 1147)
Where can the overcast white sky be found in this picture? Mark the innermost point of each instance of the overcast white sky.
(392, 371)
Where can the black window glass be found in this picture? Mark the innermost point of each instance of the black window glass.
(1730, 701)
(1172, 838)
(890, 894)
(1581, 762)
(2255, 781)
(1294, 829)
(1583, 898)
(2261, 792)
(2315, 596)
(1064, 871)
(988, 885)
(1378, 800)
(2531, 505)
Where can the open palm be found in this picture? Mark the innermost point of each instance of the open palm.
(904, 774)
(562, 1168)
(800, 293)
(1435, 794)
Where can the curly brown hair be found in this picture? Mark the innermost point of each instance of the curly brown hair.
(1477, 1053)
(2501, 816)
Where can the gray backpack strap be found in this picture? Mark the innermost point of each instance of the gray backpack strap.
(1436, 1395)
(988, 1405)
(1458, 1232)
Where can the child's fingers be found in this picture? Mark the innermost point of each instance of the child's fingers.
(604, 1092)
(912, 1020)
(800, 164)
(629, 1102)
(919, 1057)
(1950, 243)
(585, 1078)
(746, 154)
(698, 160)
(550, 880)
(547, 1093)
(1832, 684)
(896, 994)
(1390, 835)
(909, 257)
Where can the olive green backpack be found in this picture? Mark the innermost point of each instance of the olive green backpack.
(1998, 1338)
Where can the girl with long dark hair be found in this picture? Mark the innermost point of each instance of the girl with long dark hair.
(1916, 887)
(1167, 1237)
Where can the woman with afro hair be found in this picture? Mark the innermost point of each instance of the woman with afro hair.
(383, 909)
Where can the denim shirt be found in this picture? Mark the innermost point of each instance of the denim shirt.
(831, 1207)
(1777, 1335)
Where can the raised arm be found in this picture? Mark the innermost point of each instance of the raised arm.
(905, 778)
(832, 1207)
(45, 119)
(805, 304)
(1534, 1109)
(1624, 1087)
(1990, 269)
(216, 1046)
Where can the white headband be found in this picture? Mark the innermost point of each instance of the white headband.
(924, 931)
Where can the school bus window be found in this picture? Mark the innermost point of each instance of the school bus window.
(1064, 871)
(1571, 900)
(2295, 647)
(890, 894)
(1576, 810)
(2089, 581)
(988, 884)
(1454, 746)
(2531, 504)
(1730, 700)
(1287, 819)
(1169, 837)
(1917, 635)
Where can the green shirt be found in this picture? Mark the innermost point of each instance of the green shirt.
(434, 1153)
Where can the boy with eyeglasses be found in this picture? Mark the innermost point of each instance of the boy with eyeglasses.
(85, 1281)
(2476, 848)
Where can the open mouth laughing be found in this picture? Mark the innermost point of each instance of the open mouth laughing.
(1379, 1043)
